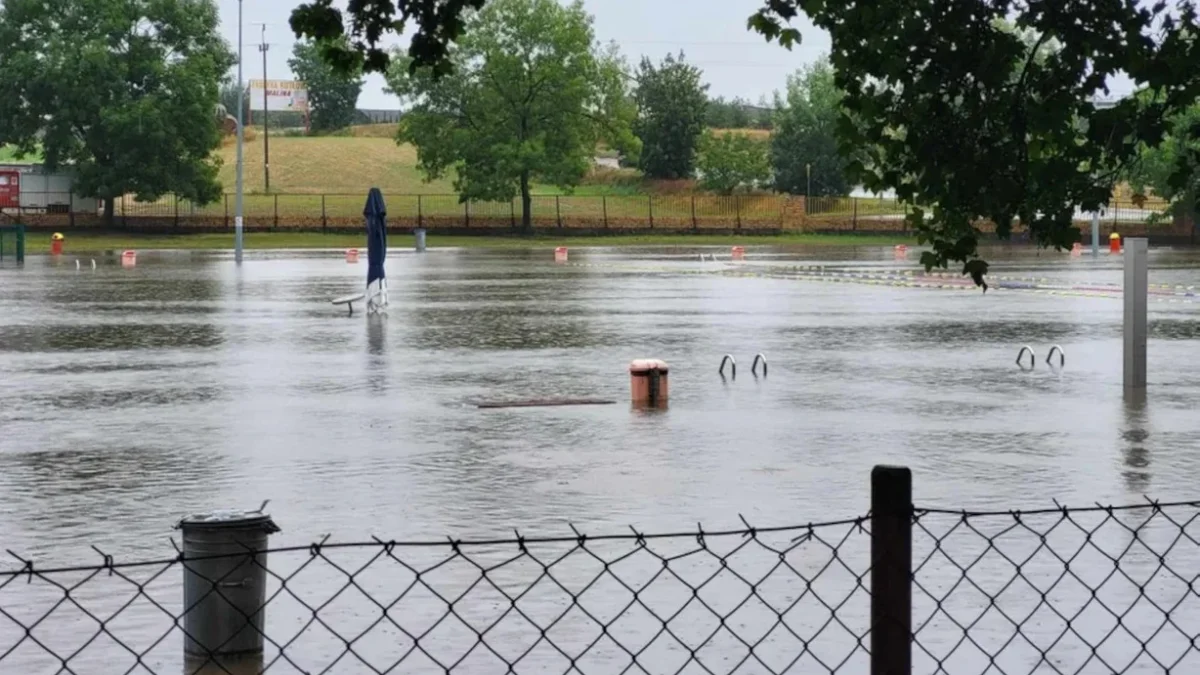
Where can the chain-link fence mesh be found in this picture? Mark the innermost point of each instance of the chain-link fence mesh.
(1093, 590)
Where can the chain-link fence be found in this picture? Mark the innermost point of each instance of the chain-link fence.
(903, 589)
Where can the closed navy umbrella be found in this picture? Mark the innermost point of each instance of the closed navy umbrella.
(376, 215)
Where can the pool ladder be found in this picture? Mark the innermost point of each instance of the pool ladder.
(728, 359)
(1056, 349)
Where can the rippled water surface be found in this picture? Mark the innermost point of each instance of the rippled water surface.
(129, 397)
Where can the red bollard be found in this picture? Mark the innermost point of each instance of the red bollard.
(56, 244)
(1114, 243)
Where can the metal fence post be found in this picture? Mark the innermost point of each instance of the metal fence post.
(176, 211)
(512, 213)
(854, 222)
(557, 211)
(693, 212)
(467, 211)
(650, 203)
(124, 213)
(420, 215)
(227, 210)
(71, 207)
(324, 217)
(891, 570)
(276, 210)
(737, 208)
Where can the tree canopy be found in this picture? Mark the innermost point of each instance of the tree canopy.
(804, 147)
(732, 161)
(966, 120)
(1172, 169)
(671, 102)
(528, 99)
(123, 92)
(332, 93)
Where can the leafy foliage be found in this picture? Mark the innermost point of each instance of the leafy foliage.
(529, 97)
(966, 120)
(438, 24)
(123, 91)
(737, 114)
(805, 144)
(1172, 169)
(730, 161)
(671, 102)
(332, 93)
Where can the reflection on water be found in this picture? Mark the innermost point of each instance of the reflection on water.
(129, 397)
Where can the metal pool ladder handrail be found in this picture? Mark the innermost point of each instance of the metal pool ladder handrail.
(732, 363)
(1062, 357)
(754, 366)
(1032, 356)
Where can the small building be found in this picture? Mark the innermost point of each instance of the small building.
(30, 188)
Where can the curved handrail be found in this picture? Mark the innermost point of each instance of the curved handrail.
(754, 366)
(1032, 357)
(1062, 357)
(732, 364)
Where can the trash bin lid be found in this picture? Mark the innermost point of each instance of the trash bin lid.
(229, 518)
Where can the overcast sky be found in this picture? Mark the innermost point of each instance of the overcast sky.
(711, 32)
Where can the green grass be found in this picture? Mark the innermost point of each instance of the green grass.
(80, 242)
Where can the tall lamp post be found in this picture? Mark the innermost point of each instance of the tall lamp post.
(237, 219)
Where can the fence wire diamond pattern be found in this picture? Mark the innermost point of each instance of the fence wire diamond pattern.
(1094, 590)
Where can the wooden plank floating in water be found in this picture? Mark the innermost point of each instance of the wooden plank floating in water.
(543, 403)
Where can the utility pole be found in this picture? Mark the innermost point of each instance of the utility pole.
(237, 219)
(264, 47)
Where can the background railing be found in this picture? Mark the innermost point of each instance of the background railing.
(903, 589)
(667, 213)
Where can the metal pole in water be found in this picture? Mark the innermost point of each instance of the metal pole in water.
(237, 213)
(1137, 292)
(1095, 234)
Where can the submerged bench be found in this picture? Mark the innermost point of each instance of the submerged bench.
(349, 300)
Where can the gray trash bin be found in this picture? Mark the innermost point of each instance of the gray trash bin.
(223, 597)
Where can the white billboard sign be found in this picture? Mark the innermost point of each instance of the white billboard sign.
(281, 96)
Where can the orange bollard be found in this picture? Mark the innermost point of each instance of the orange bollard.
(56, 243)
(1114, 243)
(738, 253)
(648, 382)
(351, 255)
(900, 251)
(560, 254)
(128, 258)
(1077, 249)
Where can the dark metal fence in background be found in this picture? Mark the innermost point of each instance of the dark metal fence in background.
(903, 589)
(679, 213)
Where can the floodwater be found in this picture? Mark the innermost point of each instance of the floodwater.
(130, 397)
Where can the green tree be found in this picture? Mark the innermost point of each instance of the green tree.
(671, 103)
(968, 119)
(332, 93)
(805, 142)
(122, 92)
(732, 161)
(529, 98)
(1172, 169)
(229, 98)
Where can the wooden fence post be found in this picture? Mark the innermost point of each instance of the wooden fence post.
(891, 570)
